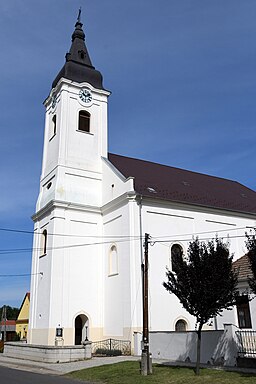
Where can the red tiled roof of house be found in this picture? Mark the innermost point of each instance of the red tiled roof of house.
(10, 325)
(8, 322)
(243, 266)
(182, 186)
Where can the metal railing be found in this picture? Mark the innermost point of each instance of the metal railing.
(111, 347)
(247, 343)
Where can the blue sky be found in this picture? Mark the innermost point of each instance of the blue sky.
(183, 80)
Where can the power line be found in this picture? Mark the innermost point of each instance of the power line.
(120, 236)
(24, 250)
(204, 232)
(64, 234)
(160, 242)
(21, 250)
(23, 274)
(121, 239)
(202, 239)
(16, 230)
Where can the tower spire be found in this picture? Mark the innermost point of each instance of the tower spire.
(78, 66)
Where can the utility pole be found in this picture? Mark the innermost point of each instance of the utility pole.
(146, 365)
(3, 323)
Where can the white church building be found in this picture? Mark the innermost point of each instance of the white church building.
(94, 209)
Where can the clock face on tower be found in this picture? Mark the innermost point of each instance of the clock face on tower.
(85, 95)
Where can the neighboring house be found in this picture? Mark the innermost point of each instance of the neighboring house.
(93, 210)
(23, 318)
(246, 304)
(8, 326)
(243, 314)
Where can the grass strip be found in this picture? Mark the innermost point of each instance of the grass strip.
(128, 372)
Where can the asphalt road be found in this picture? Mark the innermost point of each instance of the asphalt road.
(15, 376)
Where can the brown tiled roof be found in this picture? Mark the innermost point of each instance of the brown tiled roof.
(182, 186)
(243, 267)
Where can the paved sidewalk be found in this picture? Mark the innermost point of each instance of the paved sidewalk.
(60, 368)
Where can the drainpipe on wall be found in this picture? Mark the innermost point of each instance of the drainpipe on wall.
(141, 238)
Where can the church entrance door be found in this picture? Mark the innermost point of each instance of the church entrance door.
(78, 330)
(81, 329)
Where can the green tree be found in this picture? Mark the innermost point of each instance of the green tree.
(251, 246)
(11, 312)
(204, 282)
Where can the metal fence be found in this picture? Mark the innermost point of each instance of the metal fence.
(111, 347)
(247, 341)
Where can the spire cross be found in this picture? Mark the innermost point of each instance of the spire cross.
(79, 15)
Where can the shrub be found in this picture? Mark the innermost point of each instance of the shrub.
(108, 352)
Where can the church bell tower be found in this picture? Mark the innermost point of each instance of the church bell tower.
(75, 129)
(68, 210)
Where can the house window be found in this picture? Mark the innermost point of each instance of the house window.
(44, 242)
(113, 261)
(181, 326)
(84, 121)
(243, 312)
(176, 251)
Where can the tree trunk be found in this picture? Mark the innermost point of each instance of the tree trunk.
(199, 334)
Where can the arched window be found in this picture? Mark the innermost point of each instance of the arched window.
(44, 242)
(176, 251)
(181, 326)
(84, 121)
(54, 125)
(113, 261)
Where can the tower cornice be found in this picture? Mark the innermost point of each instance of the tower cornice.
(53, 204)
